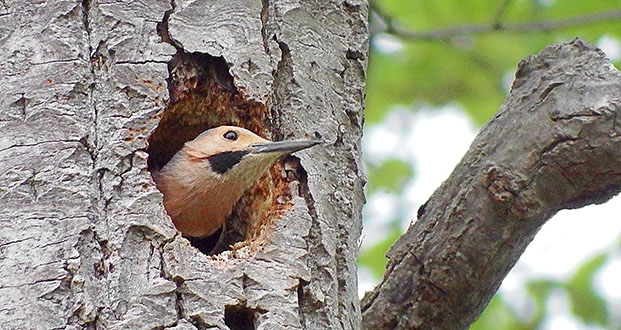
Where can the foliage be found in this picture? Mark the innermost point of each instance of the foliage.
(467, 68)
(432, 63)
(390, 175)
(500, 316)
(373, 257)
(585, 303)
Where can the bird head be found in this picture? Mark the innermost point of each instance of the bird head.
(203, 181)
(235, 152)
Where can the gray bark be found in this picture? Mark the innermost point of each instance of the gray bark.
(85, 241)
(554, 144)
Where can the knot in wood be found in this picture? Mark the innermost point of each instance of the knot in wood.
(503, 184)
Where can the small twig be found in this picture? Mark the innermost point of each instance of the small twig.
(500, 13)
(495, 26)
(386, 18)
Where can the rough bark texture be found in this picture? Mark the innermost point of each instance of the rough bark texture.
(85, 241)
(554, 144)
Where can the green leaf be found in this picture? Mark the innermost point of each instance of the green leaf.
(427, 14)
(540, 290)
(391, 175)
(375, 257)
(498, 315)
(571, 8)
(585, 303)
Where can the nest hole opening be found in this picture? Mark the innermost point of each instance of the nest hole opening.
(202, 96)
(240, 317)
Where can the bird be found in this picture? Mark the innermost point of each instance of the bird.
(208, 175)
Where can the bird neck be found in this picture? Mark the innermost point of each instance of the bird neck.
(198, 199)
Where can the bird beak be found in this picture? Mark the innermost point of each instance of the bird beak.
(283, 147)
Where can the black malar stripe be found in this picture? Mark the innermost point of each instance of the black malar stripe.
(224, 161)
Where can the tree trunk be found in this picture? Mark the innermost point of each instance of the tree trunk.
(85, 240)
(95, 95)
(554, 144)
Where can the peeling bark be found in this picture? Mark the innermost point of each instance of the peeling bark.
(554, 144)
(85, 241)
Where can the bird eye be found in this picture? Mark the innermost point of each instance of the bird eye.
(230, 135)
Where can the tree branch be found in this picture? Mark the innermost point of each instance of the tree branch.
(496, 25)
(554, 144)
(500, 13)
